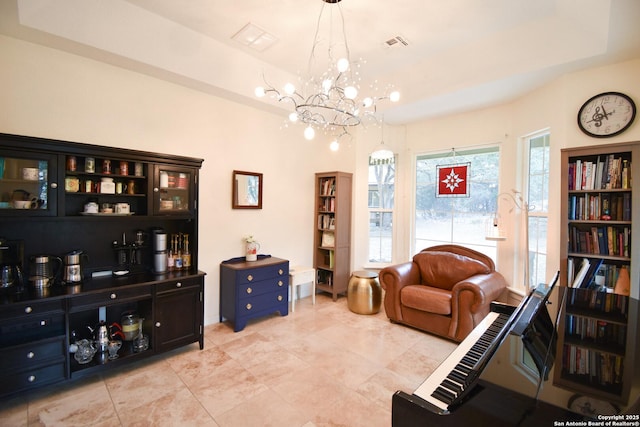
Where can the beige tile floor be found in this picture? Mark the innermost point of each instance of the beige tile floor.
(319, 366)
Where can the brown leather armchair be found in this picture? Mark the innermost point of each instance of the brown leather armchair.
(446, 290)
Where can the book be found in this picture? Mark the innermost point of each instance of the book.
(584, 267)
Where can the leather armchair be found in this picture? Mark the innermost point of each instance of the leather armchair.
(445, 290)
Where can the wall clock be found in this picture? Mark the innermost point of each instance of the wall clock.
(606, 114)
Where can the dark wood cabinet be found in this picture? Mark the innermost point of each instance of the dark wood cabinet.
(37, 325)
(179, 296)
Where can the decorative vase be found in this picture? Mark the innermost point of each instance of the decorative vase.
(252, 251)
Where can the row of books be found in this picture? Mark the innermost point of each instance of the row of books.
(597, 367)
(601, 206)
(607, 172)
(327, 205)
(596, 331)
(326, 222)
(327, 186)
(609, 241)
(613, 305)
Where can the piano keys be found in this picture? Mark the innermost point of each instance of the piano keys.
(450, 382)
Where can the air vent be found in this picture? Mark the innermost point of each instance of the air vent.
(397, 41)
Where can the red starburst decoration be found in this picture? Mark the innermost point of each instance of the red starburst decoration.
(453, 180)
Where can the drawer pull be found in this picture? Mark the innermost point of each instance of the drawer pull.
(279, 297)
(28, 309)
(113, 296)
(30, 355)
(178, 285)
(280, 283)
(31, 378)
(249, 290)
(250, 278)
(158, 324)
(249, 306)
(43, 323)
(280, 272)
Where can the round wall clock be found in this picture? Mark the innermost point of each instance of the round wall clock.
(606, 114)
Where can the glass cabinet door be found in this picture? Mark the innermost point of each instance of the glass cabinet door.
(173, 191)
(27, 184)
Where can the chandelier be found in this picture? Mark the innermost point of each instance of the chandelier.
(330, 101)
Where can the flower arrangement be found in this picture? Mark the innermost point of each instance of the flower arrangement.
(249, 239)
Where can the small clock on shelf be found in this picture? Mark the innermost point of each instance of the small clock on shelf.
(606, 114)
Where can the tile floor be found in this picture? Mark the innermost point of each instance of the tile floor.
(319, 366)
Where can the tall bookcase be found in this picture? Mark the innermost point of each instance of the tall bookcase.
(596, 332)
(332, 236)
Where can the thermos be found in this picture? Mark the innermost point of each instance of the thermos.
(159, 251)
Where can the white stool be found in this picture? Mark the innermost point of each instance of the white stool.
(299, 275)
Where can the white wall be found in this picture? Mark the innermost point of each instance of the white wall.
(52, 94)
(553, 106)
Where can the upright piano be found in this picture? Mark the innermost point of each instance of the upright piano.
(479, 384)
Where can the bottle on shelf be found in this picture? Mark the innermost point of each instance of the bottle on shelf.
(186, 255)
(177, 257)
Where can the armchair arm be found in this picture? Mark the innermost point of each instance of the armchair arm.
(393, 279)
(471, 301)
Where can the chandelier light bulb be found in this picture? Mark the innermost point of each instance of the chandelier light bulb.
(309, 133)
(259, 92)
(367, 102)
(394, 96)
(335, 145)
(342, 65)
(289, 89)
(350, 92)
(293, 117)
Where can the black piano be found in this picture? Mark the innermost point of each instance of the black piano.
(478, 384)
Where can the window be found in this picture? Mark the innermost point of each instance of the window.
(537, 179)
(456, 220)
(381, 202)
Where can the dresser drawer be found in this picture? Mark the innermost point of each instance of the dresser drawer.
(258, 274)
(176, 285)
(114, 296)
(32, 354)
(32, 327)
(32, 378)
(21, 309)
(248, 290)
(264, 303)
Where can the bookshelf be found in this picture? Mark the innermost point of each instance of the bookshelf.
(332, 235)
(598, 239)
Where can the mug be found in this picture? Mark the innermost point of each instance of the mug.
(122, 208)
(91, 207)
(22, 204)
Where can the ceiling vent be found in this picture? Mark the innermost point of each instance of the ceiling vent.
(255, 37)
(397, 41)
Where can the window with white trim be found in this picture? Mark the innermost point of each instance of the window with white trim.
(381, 200)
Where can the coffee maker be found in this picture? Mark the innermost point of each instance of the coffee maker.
(11, 260)
(72, 273)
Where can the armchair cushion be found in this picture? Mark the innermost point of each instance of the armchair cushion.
(424, 298)
(445, 269)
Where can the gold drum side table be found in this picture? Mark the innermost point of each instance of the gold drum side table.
(364, 293)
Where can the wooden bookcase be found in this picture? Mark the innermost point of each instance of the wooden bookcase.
(595, 355)
(332, 235)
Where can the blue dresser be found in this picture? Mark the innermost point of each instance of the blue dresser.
(253, 289)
